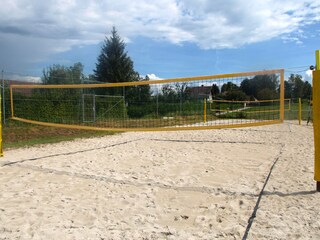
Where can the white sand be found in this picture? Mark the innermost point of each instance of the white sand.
(163, 185)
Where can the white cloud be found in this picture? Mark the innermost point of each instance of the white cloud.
(20, 78)
(152, 76)
(308, 76)
(39, 28)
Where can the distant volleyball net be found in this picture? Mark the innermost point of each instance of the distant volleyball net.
(205, 102)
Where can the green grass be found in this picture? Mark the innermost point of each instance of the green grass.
(270, 112)
(292, 114)
(17, 134)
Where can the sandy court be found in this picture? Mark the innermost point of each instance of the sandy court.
(164, 185)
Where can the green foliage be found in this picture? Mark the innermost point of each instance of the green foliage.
(162, 108)
(307, 90)
(59, 74)
(296, 88)
(229, 91)
(139, 110)
(214, 90)
(229, 86)
(168, 92)
(109, 108)
(235, 94)
(265, 87)
(138, 94)
(175, 93)
(138, 99)
(182, 91)
(252, 87)
(287, 90)
(7, 103)
(297, 84)
(266, 94)
(50, 105)
(247, 87)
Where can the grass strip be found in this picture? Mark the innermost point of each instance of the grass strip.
(17, 134)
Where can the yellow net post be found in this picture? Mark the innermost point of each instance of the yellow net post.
(299, 111)
(316, 119)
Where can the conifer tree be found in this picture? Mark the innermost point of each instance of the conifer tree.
(113, 64)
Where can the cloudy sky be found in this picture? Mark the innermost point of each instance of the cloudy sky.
(164, 38)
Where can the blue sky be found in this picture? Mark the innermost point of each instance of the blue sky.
(165, 39)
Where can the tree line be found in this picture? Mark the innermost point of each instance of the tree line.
(263, 87)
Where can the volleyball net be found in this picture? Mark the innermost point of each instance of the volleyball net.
(205, 102)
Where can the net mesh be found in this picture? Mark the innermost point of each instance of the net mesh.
(208, 102)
